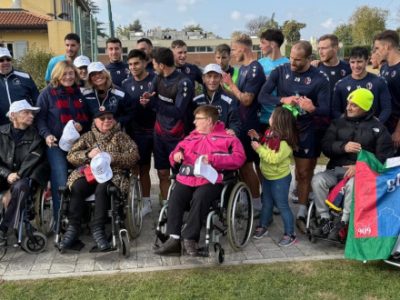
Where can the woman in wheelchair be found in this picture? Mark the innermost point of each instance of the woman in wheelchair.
(210, 143)
(104, 136)
(21, 159)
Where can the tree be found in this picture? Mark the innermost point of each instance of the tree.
(259, 24)
(94, 8)
(291, 31)
(191, 28)
(136, 26)
(344, 34)
(366, 22)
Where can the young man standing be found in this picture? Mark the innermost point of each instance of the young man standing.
(251, 79)
(223, 58)
(146, 46)
(141, 126)
(72, 43)
(361, 78)
(118, 69)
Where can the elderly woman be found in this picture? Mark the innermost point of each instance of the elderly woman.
(60, 102)
(101, 94)
(105, 136)
(223, 152)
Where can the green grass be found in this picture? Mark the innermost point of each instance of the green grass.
(294, 280)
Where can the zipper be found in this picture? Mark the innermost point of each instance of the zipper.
(8, 92)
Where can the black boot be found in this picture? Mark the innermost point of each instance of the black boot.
(3, 238)
(190, 247)
(171, 247)
(100, 238)
(70, 236)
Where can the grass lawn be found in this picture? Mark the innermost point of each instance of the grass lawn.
(294, 280)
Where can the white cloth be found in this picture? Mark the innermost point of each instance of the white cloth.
(69, 136)
(101, 167)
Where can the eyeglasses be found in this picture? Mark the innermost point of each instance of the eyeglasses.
(5, 59)
(108, 118)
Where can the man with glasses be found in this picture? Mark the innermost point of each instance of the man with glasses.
(14, 85)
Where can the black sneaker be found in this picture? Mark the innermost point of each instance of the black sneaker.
(172, 247)
(334, 234)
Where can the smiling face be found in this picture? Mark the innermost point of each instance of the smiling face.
(212, 81)
(137, 66)
(71, 48)
(180, 55)
(358, 67)
(114, 51)
(98, 79)
(5, 65)
(104, 123)
(68, 77)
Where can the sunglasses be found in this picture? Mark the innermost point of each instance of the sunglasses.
(5, 59)
(103, 118)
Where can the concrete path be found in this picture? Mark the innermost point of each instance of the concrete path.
(18, 265)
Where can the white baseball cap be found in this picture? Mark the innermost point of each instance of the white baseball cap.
(81, 61)
(101, 167)
(5, 52)
(69, 136)
(96, 66)
(212, 68)
(19, 105)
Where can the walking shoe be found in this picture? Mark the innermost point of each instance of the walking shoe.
(3, 238)
(171, 247)
(294, 196)
(146, 207)
(301, 224)
(260, 232)
(190, 247)
(325, 226)
(287, 240)
(336, 233)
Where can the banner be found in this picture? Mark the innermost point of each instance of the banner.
(375, 212)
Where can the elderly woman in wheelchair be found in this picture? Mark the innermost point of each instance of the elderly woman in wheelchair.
(210, 144)
(105, 153)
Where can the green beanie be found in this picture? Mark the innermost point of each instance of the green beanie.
(362, 98)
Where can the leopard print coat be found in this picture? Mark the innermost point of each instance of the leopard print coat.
(123, 150)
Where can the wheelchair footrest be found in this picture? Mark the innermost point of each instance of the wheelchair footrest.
(76, 246)
(203, 252)
(95, 249)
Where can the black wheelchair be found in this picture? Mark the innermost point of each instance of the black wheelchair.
(125, 214)
(232, 215)
(29, 237)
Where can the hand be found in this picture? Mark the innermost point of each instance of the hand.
(253, 134)
(351, 171)
(255, 145)
(78, 126)
(94, 152)
(315, 63)
(352, 147)
(51, 141)
(396, 138)
(291, 100)
(145, 98)
(205, 159)
(306, 104)
(227, 79)
(12, 177)
(178, 157)
(230, 132)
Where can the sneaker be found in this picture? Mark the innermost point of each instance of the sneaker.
(337, 232)
(325, 226)
(301, 224)
(260, 232)
(146, 207)
(287, 240)
(294, 196)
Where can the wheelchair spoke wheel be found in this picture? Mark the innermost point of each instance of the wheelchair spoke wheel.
(124, 246)
(35, 244)
(44, 210)
(133, 216)
(239, 216)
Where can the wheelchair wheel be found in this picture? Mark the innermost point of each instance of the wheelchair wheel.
(35, 244)
(124, 246)
(44, 210)
(133, 216)
(239, 216)
(220, 253)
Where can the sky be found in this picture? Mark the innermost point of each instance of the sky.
(225, 16)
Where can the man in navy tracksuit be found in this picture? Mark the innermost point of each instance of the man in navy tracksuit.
(118, 69)
(302, 85)
(14, 85)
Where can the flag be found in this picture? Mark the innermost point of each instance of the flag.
(375, 211)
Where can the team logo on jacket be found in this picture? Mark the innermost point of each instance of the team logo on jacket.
(287, 76)
(343, 72)
(118, 72)
(127, 71)
(393, 73)
(369, 85)
(187, 70)
(16, 81)
(333, 73)
(348, 88)
(113, 102)
(133, 89)
(307, 80)
(149, 85)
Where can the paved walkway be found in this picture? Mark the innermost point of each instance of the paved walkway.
(17, 264)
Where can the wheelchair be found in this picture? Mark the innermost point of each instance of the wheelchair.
(125, 214)
(232, 215)
(29, 238)
(44, 210)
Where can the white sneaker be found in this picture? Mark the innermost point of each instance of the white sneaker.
(146, 207)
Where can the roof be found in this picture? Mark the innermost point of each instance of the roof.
(17, 18)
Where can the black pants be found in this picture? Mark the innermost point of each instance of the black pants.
(19, 193)
(196, 200)
(80, 190)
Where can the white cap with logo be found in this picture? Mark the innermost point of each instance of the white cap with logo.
(4, 52)
(19, 105)
(101, 167)
(96, 66)
(81, 61)
(69, 136)
(212, 68)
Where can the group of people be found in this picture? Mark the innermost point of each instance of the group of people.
(253, 118)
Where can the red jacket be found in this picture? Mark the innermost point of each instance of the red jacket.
(225, 152)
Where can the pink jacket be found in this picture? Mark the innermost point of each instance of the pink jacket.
(225, 152)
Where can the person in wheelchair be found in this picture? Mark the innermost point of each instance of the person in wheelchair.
(210, 143)
(21, 160)
(104, 141)
(357, 129)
